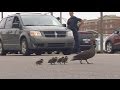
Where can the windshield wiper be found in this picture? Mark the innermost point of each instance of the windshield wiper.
(29, 25)
(47, 25)
(40, 25)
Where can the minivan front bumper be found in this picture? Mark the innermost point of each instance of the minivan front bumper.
(44, 43)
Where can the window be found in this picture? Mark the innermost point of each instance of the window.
(95, 23)
(2, 23)
(111, 26)
(9, 22)
(95, 28)
(110, 20)
(16, 20)
(106, 26)
(106, 21)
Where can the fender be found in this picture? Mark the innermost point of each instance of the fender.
(26, 35)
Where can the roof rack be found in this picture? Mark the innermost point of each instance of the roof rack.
(28, 13)
(17, 13)
(33, 13)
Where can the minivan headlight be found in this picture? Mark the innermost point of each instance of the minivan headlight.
(35, 33)
(69, 33)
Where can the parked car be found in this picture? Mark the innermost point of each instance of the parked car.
(85, 40)
(34, 33)
(113, 42)
(97, 38)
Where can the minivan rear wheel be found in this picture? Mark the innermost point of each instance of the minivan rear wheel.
(2, 51)
(38, 53)
(109, 47)
(49, 52)
(24, 47)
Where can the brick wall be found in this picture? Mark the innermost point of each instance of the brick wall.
(110, 23)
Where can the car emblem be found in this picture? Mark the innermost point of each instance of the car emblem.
(55, 34)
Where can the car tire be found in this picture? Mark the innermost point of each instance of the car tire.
(67, 52)
(49, 52)
(109, 48)
(38, 53)
(24, 47)
(2, 51)
(57, 52)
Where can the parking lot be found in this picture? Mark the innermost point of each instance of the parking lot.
(105, 66)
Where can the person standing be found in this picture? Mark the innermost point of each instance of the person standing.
(72, 24)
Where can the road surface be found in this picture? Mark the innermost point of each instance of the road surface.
(105, 66)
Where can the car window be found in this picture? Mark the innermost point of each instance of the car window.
(2, 23)
(16, 20)
(9, 22)
(119, 30)
(86, 35)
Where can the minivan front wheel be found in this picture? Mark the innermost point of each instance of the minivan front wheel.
(24, 47)
(2, 52)
(67, 52)
(109, 47)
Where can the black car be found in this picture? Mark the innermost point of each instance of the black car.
(34, 33)
(86, 38)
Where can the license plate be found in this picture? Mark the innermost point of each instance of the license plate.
(86, 40)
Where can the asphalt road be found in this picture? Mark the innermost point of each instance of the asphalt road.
(105, 66)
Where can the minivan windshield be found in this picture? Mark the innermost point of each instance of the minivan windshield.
(40, 20)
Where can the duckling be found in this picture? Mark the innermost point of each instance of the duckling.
(65, 59)
(60, 60)
(39, 62)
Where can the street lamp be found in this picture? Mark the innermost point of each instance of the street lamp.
(1, 15)
(61, 17)
(101, 31)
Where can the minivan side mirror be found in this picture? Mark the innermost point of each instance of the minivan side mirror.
(58, 18)
(16, 25)
(64, 25)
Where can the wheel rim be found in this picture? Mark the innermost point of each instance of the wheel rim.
(1, 48)
(109, 47)
(24, 47)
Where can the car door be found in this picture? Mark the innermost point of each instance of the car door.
(15, 34)
(3, 31)
(7, 30)
(11, 35)
(117, 39)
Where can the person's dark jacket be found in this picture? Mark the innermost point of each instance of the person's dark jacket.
(72, 23)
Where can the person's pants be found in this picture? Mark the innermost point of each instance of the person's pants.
(77, 41)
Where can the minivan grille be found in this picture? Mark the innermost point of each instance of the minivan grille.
(54, 33)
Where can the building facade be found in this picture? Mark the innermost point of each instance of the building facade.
(110, 23)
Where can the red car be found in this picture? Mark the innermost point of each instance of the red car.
(112, 43)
